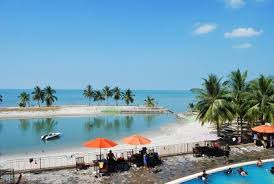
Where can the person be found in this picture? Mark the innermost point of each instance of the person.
(204, 176)
(226, 152)
(255, 138)
(111, 157)
(229, 171)
(145, 159)
(272, 170)
(242, 172)
(259, 162)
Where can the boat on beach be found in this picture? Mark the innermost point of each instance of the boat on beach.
(52, 135)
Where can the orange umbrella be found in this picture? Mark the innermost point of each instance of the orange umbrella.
(136, 140)
(266, 129)
(100, 143)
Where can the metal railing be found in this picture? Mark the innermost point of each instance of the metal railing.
(68, 161)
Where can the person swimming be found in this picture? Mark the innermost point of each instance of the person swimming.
(259, 162)
(242, 172)
(229, 171)
(204, 177)
(272, 170)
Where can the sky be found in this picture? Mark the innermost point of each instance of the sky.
(137, 44)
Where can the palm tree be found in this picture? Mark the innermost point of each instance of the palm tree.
(1, 99)
(38, 95)
(24, 99)
(191, 107)
(107, 92)
(88, 93)
(149, 102)
(238, 86)
(49, 95)
(98, 96)
(117, 94)
(260, 100)
(128, 96)
(212, 104)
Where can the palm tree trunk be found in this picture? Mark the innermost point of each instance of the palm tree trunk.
(38, 103)
(116, 102)
(241, 122)
(107, 101)
(88, 101)
(218, 129)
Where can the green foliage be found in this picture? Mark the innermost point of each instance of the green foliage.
(98, 96)
(117, 94)
(24, 99)
(128, 96)
(38, 95)
(49, 98)
(149, 101)
(107, 92)
(88, 93)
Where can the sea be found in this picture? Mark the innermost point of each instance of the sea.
(23, 135)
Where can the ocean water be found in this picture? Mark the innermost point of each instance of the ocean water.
(255, 176)
(23, 135)
(174, 100)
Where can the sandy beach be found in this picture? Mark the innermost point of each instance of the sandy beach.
(72, 110)
(182, 131)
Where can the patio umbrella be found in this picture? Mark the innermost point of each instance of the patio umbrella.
(136, 140)
(100, 143)
(265, 129)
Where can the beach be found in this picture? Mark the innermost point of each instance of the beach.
(184, 130)
(72, 110)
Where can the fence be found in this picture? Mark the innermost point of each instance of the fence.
(68, 161)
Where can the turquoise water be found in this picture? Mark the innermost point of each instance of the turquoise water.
(175, 100)
(255, 176)
(19, 136)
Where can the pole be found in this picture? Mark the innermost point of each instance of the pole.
(100, 155)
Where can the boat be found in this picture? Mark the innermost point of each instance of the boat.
(51, 136)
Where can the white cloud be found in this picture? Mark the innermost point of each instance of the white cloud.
(242, 46)
(204, 28)
(243, 32)
(235, 3)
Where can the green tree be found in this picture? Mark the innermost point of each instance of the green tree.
(128, 96)
(24, 99)
(149, 101)
(98, 96)
(38, 95)
(191, 107)
(107, 92)
(117, 94)
(50, 98)
(88, 93)
(237, 88)
(260, 100)
(212, 102)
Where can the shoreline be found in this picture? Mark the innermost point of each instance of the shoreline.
(177, 132)
(75, 110)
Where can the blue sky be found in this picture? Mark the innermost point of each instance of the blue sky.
(139, 44)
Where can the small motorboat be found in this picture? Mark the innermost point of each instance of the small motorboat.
(52, 135)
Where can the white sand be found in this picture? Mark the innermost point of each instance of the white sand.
(72, 110)
(182, 131)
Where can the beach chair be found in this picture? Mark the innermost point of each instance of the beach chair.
(80, 163)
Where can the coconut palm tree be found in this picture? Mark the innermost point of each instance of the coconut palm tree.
(50, 98)
(88, 93)
(24, 99)
(237, 88)
(212, 102)
(260, 100)
(98, 96)
(107, 92)
(128, 96)
(117, 94)
(38, 95)
(191, 107)
(149, 101)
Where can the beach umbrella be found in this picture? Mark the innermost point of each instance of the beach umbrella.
(265, 129)
(100, 143)
(136, 140)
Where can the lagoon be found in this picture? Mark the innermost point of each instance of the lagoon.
(23, 135)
